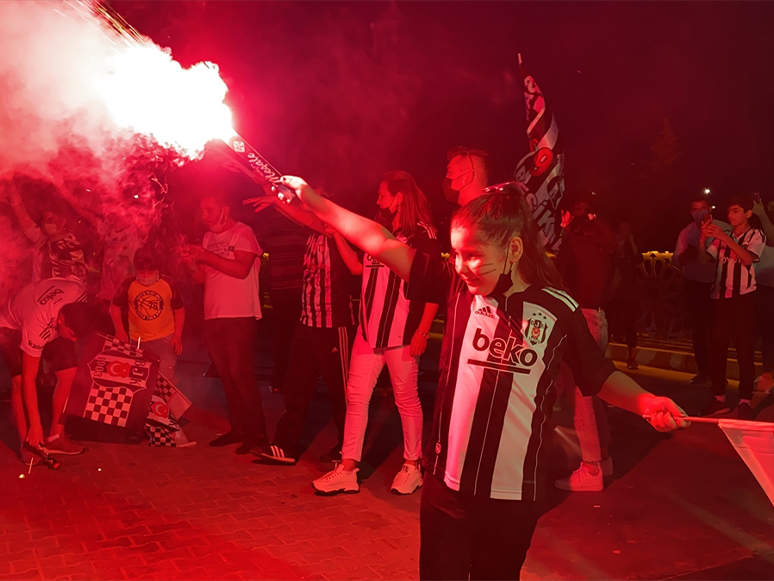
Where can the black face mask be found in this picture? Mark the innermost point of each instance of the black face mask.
(385, 217)
(504, 283)
(449, 192)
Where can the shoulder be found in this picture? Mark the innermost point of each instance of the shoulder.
(426, 230)
(559, 301)
(170, 282)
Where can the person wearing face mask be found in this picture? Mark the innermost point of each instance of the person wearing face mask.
(466, 174)
(148, 309)
(57, 252)
(697, 280)
(228, 264)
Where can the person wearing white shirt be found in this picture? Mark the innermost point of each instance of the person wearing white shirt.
(228, 264)
(697, 280)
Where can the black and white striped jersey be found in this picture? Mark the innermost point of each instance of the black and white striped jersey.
(732, 277)
(491, 433)
(326, 298)
(387, 317)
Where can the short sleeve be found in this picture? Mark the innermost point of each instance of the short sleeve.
(245, 240)
(429, 279)
(756, 243)
(32, 343)
(590, 368)
(712, 249)
(121, 299)
(176, 302)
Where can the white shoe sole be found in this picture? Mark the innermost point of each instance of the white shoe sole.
(58, 452)
(319, 492)
(401, 493)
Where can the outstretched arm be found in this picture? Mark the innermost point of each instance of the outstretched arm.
(622, 391)
(366, 234)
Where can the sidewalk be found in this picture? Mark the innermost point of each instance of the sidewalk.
(680, 506)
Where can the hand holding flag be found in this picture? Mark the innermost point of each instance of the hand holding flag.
(664, 414)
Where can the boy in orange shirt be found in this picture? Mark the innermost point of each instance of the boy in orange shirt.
(154, 311)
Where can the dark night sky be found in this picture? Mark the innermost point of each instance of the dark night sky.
(344, 91)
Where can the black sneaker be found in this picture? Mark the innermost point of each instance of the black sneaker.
(744, 411)
(232, 437)
(333, 456)
(272, 454)
(715, 408)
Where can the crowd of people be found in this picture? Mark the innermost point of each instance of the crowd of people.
(521, 328)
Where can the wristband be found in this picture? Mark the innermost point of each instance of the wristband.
(425, 335)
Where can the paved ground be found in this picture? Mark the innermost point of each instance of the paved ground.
(681, 506)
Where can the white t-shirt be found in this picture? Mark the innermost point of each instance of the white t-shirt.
(228, 297)
(34, 310)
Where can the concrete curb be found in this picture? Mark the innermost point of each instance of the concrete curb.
(673, 360)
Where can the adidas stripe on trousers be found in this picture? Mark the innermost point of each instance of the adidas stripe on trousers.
(314, 352)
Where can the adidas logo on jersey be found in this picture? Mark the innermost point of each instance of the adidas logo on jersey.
(485, 312)
(510, 355)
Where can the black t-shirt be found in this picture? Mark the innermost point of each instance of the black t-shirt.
(500, 360)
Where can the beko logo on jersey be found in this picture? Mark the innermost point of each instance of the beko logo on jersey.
(49, 295)
(505, 355)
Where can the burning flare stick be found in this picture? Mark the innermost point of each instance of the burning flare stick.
(218, 124)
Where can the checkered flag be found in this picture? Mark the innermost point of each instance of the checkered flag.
(109, 406)
(122, 347)
(174, 398)
(159, 435)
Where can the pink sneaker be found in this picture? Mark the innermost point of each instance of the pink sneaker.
(582, 481)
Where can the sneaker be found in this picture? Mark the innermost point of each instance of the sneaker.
(336, 481)
(607, 466)
(763, 383)
(232, 437)
(582, 481)
(247, 447)
(701, 380)
(26, 456)
(276, 455)
(632, 364)
(62, 445)
(744, 411)
(407, 480)
(715, 408)
(334, 456)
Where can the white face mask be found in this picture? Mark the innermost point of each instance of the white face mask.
(218, 226)
(49, 229)
(148, 281)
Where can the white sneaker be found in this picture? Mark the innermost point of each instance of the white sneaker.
(407, 480)
(607, 466)
(582, 481)
(337, 480)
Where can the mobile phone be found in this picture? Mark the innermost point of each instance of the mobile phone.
(707, 219)
(757, 197)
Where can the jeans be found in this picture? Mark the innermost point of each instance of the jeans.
(733, 319)
(698, 310)
(162, 348)
(471, 537)
(231, 343)
(364, 370)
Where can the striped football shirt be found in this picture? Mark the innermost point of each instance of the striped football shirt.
(387, 317)
(732, 277)
(326, 300)
(500, 357)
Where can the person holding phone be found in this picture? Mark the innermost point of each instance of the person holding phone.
(697, 280)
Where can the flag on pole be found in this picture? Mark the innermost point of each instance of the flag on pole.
(166, 408)
(754, 442)
(114, 383)
(542, 169)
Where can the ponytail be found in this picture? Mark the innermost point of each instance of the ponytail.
(497, 217)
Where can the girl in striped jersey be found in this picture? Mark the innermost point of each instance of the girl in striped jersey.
(393, 331)
(507, 331)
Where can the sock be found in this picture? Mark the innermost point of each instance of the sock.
(721, 398)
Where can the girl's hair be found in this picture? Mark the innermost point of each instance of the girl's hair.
(415, 208)
(504, 214)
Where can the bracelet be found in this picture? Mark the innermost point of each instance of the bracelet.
(425, 335)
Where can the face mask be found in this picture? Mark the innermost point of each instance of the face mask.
(698, 215)
(452, 194)
(49, 229)
(148, 281)
(385, 217)
(218, 226)
(505, 282)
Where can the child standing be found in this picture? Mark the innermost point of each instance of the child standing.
(154, 311)
(733, 298)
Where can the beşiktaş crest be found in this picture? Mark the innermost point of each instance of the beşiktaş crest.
(537, 328)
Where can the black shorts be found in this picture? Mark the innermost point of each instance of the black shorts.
(59, 354)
